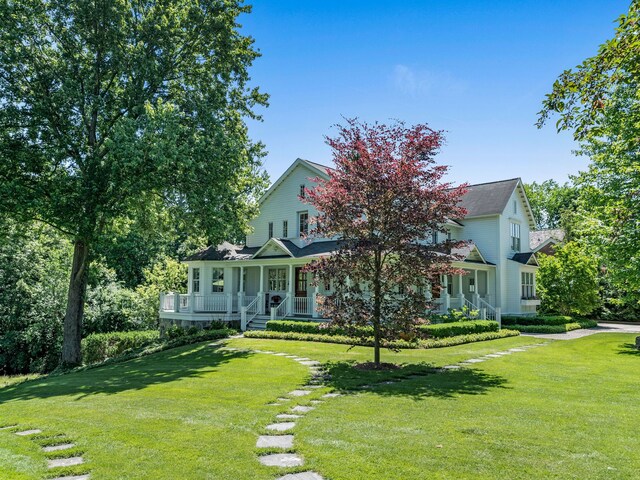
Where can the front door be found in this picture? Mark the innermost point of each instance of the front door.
(301, 282)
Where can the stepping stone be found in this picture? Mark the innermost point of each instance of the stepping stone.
(73, 477)
(474, 360)
(316, 402)
(290, 356)
(282, 399)
(281, 427)
(275, 441)
(517, 350)
(288, 415)
(309, 363)
(503, 353)
(388, 382)
(280, 354)
(493, 355)
(299, 393)
(301, 409)
(65, 462)
(331, 395)
(7, 427)
(312, 386)
(301, 476)
(281, 460)
(302, 359)
(273, 404)
(451, 367)
(55, 448)
(29, 432)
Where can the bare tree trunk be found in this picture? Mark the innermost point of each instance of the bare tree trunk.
(71, 354)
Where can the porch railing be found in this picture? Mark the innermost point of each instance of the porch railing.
(281, 310)
(249, 312)
(210, 303)
(487, 312)
(302, 306)
(184, 302)
(470, 311)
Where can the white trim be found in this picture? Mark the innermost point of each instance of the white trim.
(288, 171)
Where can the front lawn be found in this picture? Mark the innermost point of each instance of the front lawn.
(565, 410)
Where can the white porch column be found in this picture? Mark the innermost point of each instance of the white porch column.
(316, 292)
(460, 293)
(161, 302)
(261, 291)
(241, 289)
(176, 302)
(291, 291)
(476, 295)
(444, 294)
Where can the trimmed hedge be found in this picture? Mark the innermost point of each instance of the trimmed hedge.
(439, 330)
(100, 346)
(443, 330)
(368, 342)
(537, 320)
(302, 326)
(567, 327)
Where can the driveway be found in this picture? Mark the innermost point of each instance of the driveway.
(583, 332)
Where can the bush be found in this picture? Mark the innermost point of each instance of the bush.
(562, 328)
(537, 320)
(442, 330)
(368, 342)
(316, 328)
(100, 346)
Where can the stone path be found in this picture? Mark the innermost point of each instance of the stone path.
(53, 463)
(287, 421)
(584, 332)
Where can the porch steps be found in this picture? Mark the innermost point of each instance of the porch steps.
(259, 322)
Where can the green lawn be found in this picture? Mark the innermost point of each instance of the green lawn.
(565, 410)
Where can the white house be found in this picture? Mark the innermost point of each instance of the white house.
(264, 278)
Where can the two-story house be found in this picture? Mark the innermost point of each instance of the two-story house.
(264, 278)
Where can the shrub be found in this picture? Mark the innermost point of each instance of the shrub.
(317, 328)
(100, 346)
(537, 320)
(368, 341)
(442, 330)
(562, 328)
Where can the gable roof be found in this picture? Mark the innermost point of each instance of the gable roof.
(228, 251)
(470, 253)
(526, 258)
(315, 167)
(539, 238)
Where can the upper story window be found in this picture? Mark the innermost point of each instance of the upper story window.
(528, 285)
(434, 236)
(515, 207)
(302, 192)
(285, 229)
(195, 280)
(303, 223)
(270, 229)
(217, 280)
(515, 237)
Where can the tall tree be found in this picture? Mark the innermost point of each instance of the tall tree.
(115, 109)
(549, 201)
(383, 201)
(599, 102)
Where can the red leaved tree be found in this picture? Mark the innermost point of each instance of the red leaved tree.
(383, 201)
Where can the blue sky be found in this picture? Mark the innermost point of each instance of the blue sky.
(478, 70)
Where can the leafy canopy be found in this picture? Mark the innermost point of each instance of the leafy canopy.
(383, 201)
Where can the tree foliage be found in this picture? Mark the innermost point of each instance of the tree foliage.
(122, 110)
(550, 201)
(567, 281)
(383, 201)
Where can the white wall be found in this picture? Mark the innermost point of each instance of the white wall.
(283, 204)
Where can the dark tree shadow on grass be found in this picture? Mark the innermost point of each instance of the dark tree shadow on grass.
(628, 349)
(182, 362)
(413, 380)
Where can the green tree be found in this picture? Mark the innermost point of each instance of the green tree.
(567, 281)
(118, 110)
(550, 201)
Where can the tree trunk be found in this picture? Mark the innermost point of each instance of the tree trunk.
(71, 355)
(376, 311)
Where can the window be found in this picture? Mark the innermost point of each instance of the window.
(434, 236)
(277, 279)
(327, 285)
(270, 229)
(285, 229)
(515, 237)
(302, 192)
(449, 237)
(515, 207)
(302, 281)
(450, 284)
(217, 280)
(472, 285)
(303, 223)
(195, 280)
(528, 285)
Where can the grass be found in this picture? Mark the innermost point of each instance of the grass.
(565, 410)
